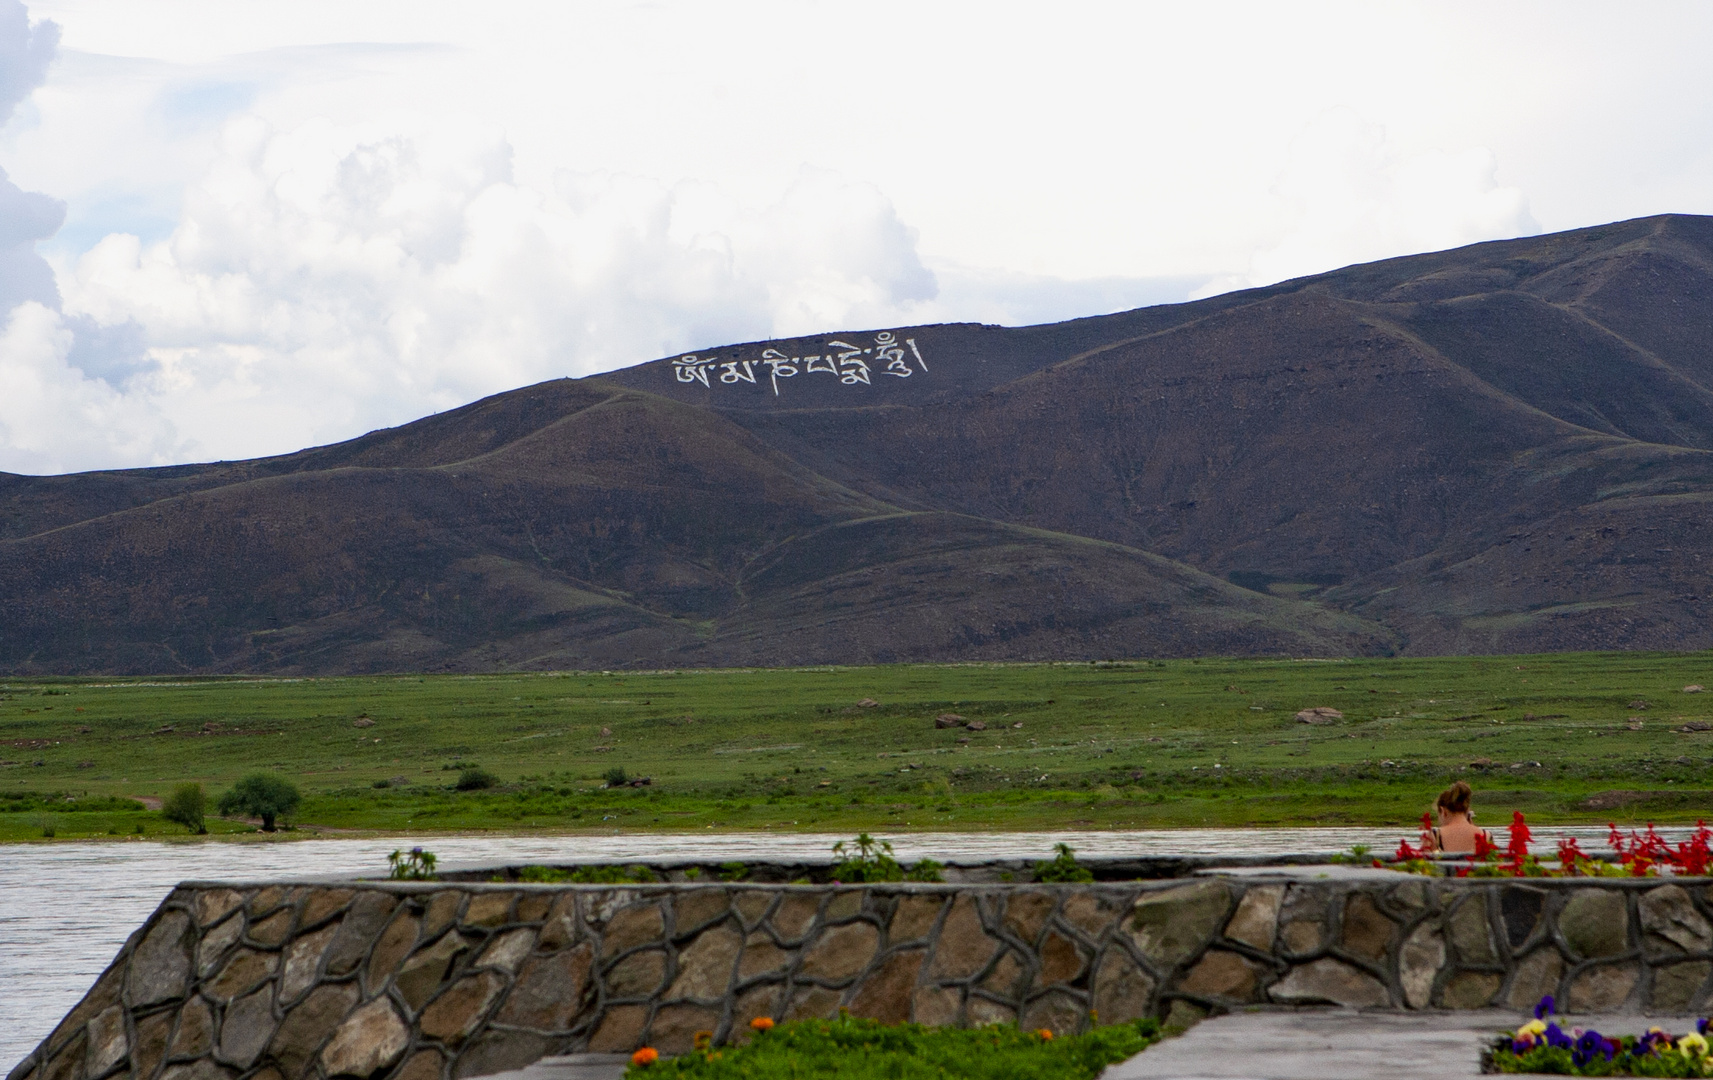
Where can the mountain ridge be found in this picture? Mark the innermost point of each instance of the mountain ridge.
(1358, 462)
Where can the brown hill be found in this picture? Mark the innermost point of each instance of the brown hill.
(1498, 448)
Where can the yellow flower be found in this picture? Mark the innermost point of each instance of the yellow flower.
(1692, 1044)
(1531, 1029)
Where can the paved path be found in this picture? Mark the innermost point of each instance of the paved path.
(1345, 1044)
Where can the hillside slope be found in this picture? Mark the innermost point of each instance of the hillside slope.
(1507, 447)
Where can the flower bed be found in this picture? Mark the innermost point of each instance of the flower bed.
(1636, 855)
(857, 1049)
(1542, 1046)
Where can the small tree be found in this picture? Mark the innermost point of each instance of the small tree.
(186, 805)
(261, 795)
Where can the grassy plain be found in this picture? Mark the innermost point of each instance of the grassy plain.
(1144, 744)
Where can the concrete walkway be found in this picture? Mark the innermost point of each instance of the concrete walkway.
(1273, 1044)
(1345, 1044)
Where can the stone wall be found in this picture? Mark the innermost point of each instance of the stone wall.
(439, 981)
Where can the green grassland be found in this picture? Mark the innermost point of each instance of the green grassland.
(1141, 744)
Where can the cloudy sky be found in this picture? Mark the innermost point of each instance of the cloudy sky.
(231, 228)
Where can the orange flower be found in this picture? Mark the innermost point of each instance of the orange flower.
(648, 1055)
(762, 1023)
(1046, 1034)
(703, 1040)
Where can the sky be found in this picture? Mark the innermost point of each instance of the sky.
(231, 228)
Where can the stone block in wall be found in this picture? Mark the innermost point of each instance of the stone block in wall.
(838, 953)
(245, 1028)
(675, 1027)
(368, 915)
(1677, 987)
(693, 910)
(1056, 1011)
(1092, 912)
(795, 915)
(66, 1063)
(506, 950)
(302, 962)
(1670, 923)
(620, 1030)
(391, 947)
(937, 1006)
(1471, 990)
(1302, 920)
(1005, 978)
(1027, 912)
(641, 974)
(1409, 897)
(1471, 931)
(705, 966)
(308, 1025)
(243, 971)
(1171, 925)
(369, 1040)
(532, 907)
(1256, 921)
(442, 911)
(550, 990)
(497, 1052)
(1603, 988)
(270, 932)
(1419, 964)
(195, 1034)
(427, 1064)
(559, 927)
(420, 976)
(1123, 991)
(752, 905)
(1062, 960)
(322, 904)
(1222, 974)
(1329, 981)
(1536, 976)
(212, 905)
(885, 993)
(107, 1041)
(761, 957)
(200, 1069)
(914, 917)
(1595, 923)
(1520, 909)
(963, 947)
(489, 909)
(264, 902)
(160, 967)
(630, 927)
(455, 1013)
(150, 1048)
(215, 943)
(1367, 931)
(812, 1003)
(845, 904)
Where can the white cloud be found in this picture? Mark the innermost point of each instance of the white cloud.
(25, 53)
(1348, 196)
(54, 419)
(327, 280)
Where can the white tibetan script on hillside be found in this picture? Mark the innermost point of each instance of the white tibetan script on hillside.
(852, 365)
